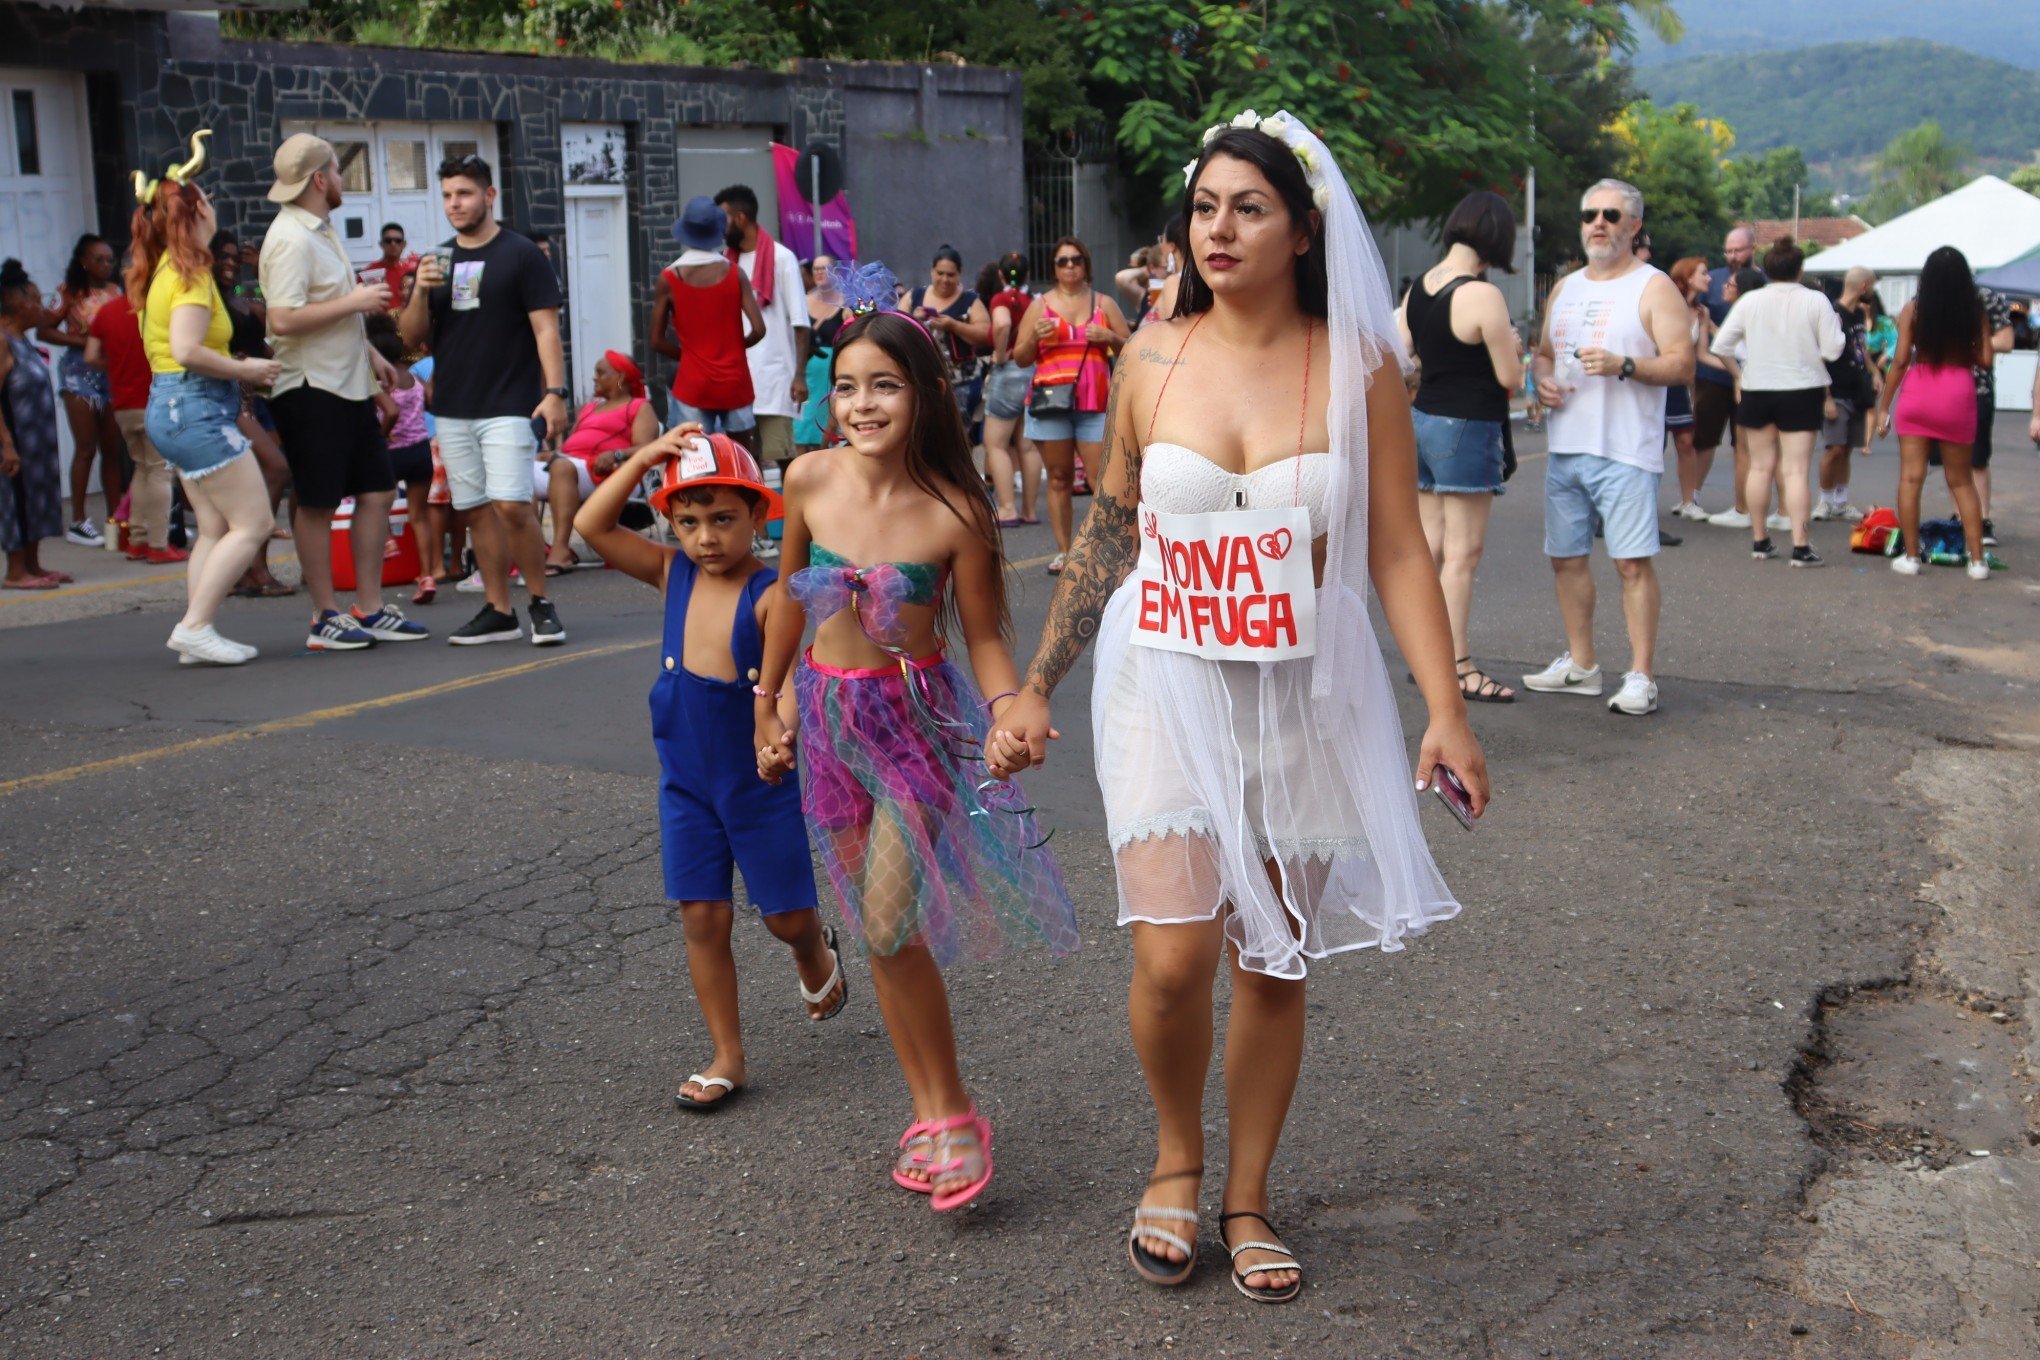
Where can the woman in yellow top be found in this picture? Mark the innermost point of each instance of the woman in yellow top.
(195, 401)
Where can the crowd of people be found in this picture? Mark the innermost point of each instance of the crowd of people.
(1258, 472)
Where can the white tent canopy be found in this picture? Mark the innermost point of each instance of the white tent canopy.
(1986, 219)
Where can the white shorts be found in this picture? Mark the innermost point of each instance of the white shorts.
(541, 477)
(487, 460)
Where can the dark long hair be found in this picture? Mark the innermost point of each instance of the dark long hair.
(1284, 173)
(938, 447)
(76, 280)
(1947, 313)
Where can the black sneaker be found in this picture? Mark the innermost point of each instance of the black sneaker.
(1803, 556)
(490, 624)
(1762, 550)
(1669, 540)
(1989, 533)
(546, 629)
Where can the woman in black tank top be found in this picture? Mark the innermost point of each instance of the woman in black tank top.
(1456, 324)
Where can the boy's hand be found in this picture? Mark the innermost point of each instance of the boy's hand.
(774, 744)
(671, 440)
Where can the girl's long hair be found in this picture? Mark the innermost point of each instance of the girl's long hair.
(1947, 313)
(1284, 173)
(938, 447)
(166, 228)
(76, 280)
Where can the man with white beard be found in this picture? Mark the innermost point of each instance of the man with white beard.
(1616, 335)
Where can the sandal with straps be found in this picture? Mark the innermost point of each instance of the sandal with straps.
(977, 1130)
(1160, 1269)
(1239, 1277)
(821, 994)
(917, 1148)
(1486, 690)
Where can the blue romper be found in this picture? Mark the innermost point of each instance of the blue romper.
(715, 813)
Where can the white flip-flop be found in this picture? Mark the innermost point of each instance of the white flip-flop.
(689, 1103)
(816, 998)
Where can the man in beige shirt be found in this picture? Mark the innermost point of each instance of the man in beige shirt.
(324, 400)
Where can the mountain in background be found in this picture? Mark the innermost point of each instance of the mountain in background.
(2008, 30)
(1841, 103)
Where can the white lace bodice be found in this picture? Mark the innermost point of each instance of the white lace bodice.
(1182, 481)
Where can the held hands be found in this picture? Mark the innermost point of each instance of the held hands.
(430, 274)
(1020, 735)
(1450, 742)
(774, 742)
(260, 372)
(1101, 335)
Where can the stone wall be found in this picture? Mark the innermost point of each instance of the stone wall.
(932, 154)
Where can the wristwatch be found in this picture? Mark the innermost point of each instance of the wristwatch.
(1628, 367)
(561, 392)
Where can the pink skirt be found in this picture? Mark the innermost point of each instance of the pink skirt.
(1937, 401)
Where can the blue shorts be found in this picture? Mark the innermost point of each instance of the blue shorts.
(193, 421)
(736, 420)
(1086, 427)
(1006, 391)
(1456, 456)
(1579, 486)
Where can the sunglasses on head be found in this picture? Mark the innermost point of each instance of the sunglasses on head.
(1609, 215)
(1062, 260)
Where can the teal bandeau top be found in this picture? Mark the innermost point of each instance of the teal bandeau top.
(925, 576)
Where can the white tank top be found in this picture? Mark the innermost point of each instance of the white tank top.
(1619, 419)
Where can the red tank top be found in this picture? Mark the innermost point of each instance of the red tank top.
(713, 373)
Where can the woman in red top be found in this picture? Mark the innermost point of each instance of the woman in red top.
(706, 316)
(88, 285)
(606, 432)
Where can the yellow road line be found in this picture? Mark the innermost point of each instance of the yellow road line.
(302, 721)
(73, 592)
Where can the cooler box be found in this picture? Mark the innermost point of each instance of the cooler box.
(400, 554)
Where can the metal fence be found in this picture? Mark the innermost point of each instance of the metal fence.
(1051, 208)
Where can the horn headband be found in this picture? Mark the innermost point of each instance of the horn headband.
(145, 188)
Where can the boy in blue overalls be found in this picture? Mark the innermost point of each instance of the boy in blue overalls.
(715, 813)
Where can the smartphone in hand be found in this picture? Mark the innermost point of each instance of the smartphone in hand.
(1452, 794)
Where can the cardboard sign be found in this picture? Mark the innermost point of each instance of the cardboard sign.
(1232, 586)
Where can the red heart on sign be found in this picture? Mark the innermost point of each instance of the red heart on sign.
(1275, 545)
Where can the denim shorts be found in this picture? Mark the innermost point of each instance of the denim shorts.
(1006, 391)
(1086, 427)
(487, 460)
(1456, 456)
(191, 419)
(1579, 486)
(736, 420)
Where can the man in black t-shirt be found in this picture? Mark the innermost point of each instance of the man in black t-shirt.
(1851, 394)
(488, 302)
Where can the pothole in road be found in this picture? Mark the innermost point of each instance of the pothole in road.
(1912, 1077)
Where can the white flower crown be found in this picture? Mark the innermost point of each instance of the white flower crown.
(1277, 126)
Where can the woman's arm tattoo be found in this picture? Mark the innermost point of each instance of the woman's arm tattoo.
(1105, 548)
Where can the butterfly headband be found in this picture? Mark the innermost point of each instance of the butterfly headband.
(870, 288)
(145, 188)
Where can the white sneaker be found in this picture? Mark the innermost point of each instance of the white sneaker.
(471, 584)
(1849, 512)
(1562, 677)
(1637, 696)
(1978, 571)
(1777, 522)
(1905, 566)
(1690, 510)
(205, 646)
(1730, 518)
(1823, 511)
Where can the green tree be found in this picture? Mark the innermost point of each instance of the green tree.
(1674, 157)
(1762, 186)
(2027, 177)
(1918, 167)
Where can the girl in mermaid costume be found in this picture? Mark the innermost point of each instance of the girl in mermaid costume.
(932, 858)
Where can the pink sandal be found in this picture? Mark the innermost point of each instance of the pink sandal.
(919, 1134)
(980, 1130)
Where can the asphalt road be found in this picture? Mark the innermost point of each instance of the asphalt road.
(340, 1010)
